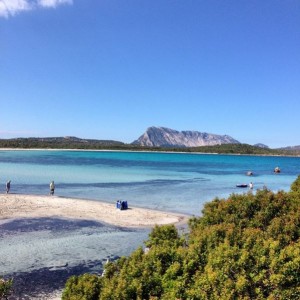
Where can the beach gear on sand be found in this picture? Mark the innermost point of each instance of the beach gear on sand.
(122, 205)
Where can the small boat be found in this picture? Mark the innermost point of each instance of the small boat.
(249, 173)
(243, 185)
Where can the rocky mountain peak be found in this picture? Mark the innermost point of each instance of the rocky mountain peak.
(166, 137)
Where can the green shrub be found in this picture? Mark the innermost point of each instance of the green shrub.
(84, 287)
(244, 247)
(5, 287)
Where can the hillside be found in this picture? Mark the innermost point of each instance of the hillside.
(58, 142)
(244, 247)
(291, 148)
(93, 144)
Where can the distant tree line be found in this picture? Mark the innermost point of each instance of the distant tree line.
(86, 144)
(243, 247)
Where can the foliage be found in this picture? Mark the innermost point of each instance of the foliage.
(77, 143)
(85, 287)
(244, 247)
(5, 287)
(295, 187)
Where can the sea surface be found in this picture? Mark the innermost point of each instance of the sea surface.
(41, 253)
(166, 181)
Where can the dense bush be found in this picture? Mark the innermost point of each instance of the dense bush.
(85, 287)
(245, 247)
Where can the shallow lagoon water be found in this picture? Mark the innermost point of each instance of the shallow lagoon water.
(49, 248)
(40, 254)
(166, 181)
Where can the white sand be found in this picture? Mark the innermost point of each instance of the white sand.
(13, 206)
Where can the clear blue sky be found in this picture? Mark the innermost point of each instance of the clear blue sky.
(109, 69)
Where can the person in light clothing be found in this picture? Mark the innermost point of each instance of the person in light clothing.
(52, 188)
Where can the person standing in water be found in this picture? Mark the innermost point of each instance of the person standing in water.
(52, 188)
(8, 186)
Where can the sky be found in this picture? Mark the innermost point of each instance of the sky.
(109, 69)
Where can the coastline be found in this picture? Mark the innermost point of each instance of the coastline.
(17, 206)
(145, 151)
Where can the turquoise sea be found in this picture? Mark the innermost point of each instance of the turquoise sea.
(165, 181)
(41, 253)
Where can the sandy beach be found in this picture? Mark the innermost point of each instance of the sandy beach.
(13, 206)
(43, 264)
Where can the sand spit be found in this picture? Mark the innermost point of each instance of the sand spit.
(13, 206)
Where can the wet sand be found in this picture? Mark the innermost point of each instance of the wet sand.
(15, 206)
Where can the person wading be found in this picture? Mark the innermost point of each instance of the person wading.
(52, 188)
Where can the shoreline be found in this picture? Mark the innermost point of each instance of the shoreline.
(19, 206)
(144, 151)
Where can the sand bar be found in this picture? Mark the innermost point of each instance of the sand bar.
(15, 206)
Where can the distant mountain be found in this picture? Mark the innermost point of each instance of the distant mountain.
(260, 145)
(291, 148)
(166, 137)
(73, 139)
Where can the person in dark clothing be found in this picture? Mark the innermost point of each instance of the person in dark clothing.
(8, 186)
